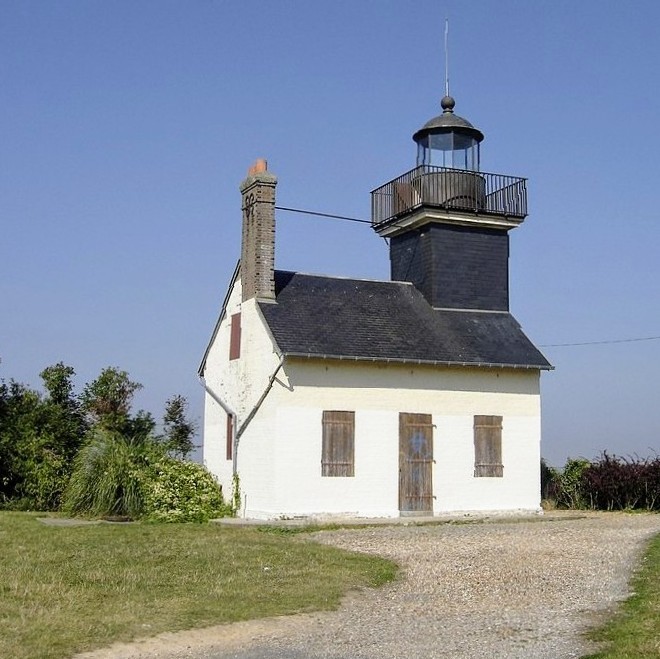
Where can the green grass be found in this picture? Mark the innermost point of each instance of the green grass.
(634, 632)
(69, 589)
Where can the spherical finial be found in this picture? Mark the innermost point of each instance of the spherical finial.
(447, 104)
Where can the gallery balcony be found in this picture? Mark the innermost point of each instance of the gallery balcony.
(456, 191)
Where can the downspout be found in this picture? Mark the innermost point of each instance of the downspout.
(236, 434)
(229, 413)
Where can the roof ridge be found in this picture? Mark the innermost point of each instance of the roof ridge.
(343, 278)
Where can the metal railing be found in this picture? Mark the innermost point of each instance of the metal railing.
(451, 189)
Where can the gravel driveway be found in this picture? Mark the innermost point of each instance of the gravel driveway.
(509, 589)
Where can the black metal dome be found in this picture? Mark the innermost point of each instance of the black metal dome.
(448, 122)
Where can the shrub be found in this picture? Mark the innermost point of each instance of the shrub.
(609, 483)
(616, 483)
(45, 477)
(178, 491)
(116, 476)
(548, 476)
(566, 486)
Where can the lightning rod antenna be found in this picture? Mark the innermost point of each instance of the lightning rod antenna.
(446, 57)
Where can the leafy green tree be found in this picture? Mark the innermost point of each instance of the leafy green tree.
(61, 433)
(108, 399)
(57, 380)
(39, 436)
(93, 450)
(142, 426)
(64, 417)
(179, 430)
(19, 423)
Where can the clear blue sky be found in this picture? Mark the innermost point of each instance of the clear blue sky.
(126, 128)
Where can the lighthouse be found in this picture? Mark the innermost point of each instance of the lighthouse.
(447, 221)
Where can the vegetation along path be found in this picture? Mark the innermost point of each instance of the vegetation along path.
(506, 589)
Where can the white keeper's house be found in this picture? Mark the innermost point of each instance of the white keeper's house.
(414, 396)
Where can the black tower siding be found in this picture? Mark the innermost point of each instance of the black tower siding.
(455, 267)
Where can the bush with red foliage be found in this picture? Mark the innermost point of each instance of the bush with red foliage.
(616, 483)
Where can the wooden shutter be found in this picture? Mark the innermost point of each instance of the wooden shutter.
(235, 337)
(488, 446)
(338, 451)
(230, 437)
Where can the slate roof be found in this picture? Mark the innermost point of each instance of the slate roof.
(330, 317)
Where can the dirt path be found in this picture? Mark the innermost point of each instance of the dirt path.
(506, 589)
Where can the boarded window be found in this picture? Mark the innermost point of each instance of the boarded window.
(235, 337)
(338, 452)
(230, 437)
(488, 446)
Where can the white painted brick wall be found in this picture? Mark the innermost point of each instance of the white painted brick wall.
(279, 457)
(240, 383)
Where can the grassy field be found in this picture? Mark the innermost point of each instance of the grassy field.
(634, 632)
(69, 589)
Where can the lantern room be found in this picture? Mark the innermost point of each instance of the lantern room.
(447, 183)
(448, 140)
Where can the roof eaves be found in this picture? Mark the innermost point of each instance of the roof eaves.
(428, 362)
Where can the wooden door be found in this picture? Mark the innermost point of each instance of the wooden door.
(415, 463)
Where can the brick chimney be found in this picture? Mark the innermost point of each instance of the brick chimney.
(258, 242)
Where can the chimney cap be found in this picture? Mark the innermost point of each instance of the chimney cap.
(260, 166)
(258, 174)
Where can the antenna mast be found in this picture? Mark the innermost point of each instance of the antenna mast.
(446, 57)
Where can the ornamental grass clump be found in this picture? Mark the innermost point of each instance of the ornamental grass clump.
(108, 475)
(115, 476)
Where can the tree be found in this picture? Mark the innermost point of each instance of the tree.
(39, 437)
(93, 444)
(140, 427)
(19, 412)
(57, 380)
(108, 399)
(64, 417)
(179, 430)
